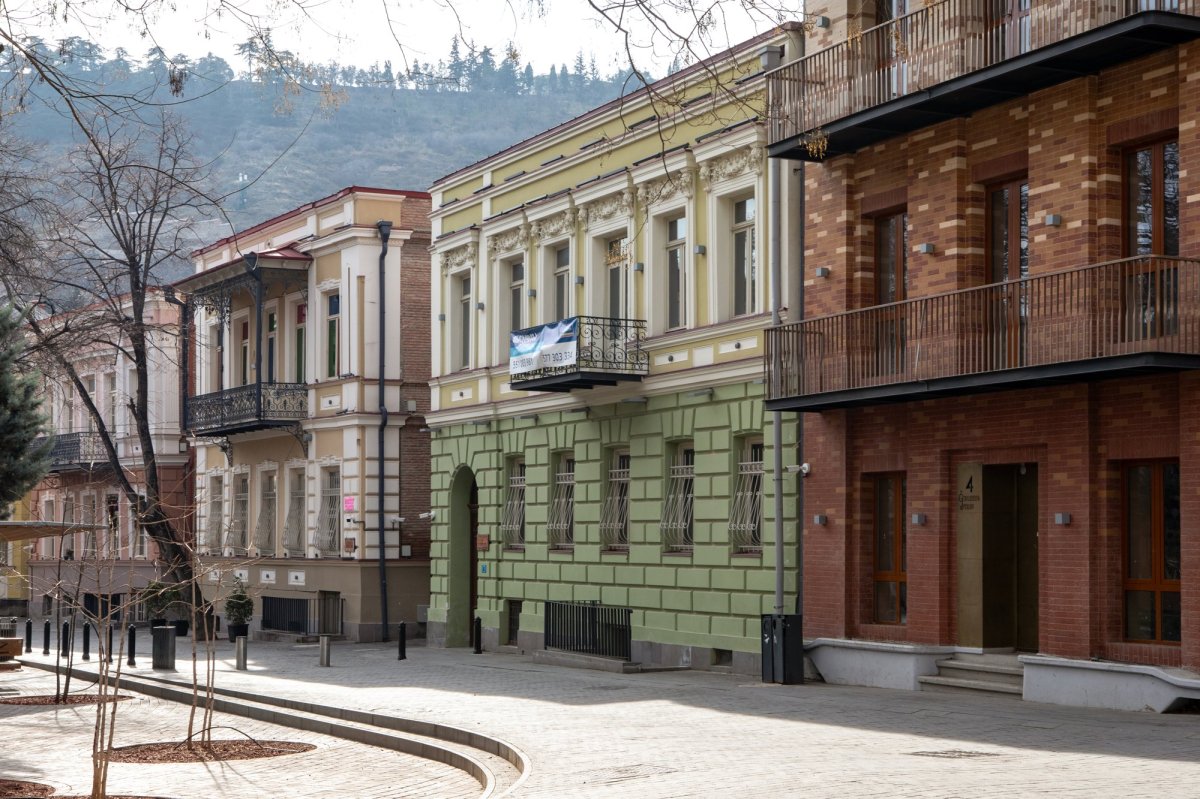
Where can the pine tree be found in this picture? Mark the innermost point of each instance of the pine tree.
(22, 461)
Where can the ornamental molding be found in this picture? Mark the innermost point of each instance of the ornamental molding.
(618, 204)
(512, 239)
(460, 258)
(557, 225)
(739, 162)
(665, 189)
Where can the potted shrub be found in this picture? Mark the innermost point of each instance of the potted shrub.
(239, 607)
(162, 600)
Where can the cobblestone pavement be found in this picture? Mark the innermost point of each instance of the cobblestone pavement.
(697, 734)
(53, 745)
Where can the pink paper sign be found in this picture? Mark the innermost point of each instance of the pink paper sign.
(348, 504)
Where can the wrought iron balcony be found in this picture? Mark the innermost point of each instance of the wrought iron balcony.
(252, 407)
(1132, 316)
(72, 451)
(579, 352)
(950, 58)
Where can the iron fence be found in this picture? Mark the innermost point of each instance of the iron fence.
(8, 627)
(75, 450)
(248, 405)
(320, 615)
(603, 346)
(589, 628)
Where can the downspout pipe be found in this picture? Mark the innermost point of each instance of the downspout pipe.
(385, 231)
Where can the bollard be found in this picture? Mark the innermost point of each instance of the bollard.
(162, 648)
(108, 649)
(28, 636)
(325, 641)
(65, 641)
(132, 646)
(240, 647)
(402, 635)
(478, 636)
(87, 641)
(46, 638)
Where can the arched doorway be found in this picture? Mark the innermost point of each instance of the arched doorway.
(464, 558)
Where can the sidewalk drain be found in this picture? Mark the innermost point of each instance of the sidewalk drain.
(954, 754)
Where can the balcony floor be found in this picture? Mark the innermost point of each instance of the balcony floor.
(573, 380)
(1143, 363)
(1087, 54)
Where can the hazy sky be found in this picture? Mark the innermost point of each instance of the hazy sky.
(362, 32)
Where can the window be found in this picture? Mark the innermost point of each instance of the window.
(216, 510)
(562, 504)
(68, 541)
(67, 423)
(88, 518)
(616, 257)
(745, 514)
(1150, 292)
(329, 515)
(676, 272)
(890, 545)
(614, 516)
(272, 325)
(891, 286)
(236, 539)
(562, 282)
(516, 295)
(46, 545)
(137, 532)
(298, 354)
(112, 515)
(333, 306)
(216, 364)
(1152, 552)
(1007, 266)
(294, 524)
(745, 260)
(677, 526)
(264, 529)
(244, 355)
(512, 521)
(89, 386)
(464, 322)
(110, 385)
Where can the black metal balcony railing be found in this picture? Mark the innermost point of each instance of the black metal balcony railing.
(943, 41)
(1134, 314)
(71, 451)
(589, 628)
(244, 408)
(606, 351)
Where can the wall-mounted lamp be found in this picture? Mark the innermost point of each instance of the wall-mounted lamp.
(183, 445)
(579, 280)
(424, 430)
(427, 517)
(1053, 220)
(639, 267)
(918, 519)
(1062, 518)
(699, 249)
(820, 519)
(801, 469)
(531, 293)
(925, 249)
(822, 271)
(441, 317)
(822, 22)
(479, 306)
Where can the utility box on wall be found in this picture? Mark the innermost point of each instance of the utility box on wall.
(783, 648)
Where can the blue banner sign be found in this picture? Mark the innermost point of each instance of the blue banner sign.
(543, 347)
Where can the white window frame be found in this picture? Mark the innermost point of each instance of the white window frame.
(295, 524)
(722, 196)
(675, 249)
(294, 328)
(658, 245)
(329, 513)
(214, 521)
(511, 300)
(337, 346)
(558, 276)
(745, 507)
(237, 534)
(598, 302)
(560, 525)
(267, 518)
(512, 519)
(463, 327)
(138, 547)
(678, 525)
(614, 514)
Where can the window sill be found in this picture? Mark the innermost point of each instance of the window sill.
(562, 549)
(623, 551)
(677, 553)
(513, 548)
(754, 554)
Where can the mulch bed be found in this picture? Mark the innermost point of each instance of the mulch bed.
(15, 788)
(50, 699)
(181, 752)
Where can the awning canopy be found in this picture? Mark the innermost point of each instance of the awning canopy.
(28, 531)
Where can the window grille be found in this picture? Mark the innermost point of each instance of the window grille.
(329, 527)
(112, 510)
(512, 523)
(216, 511)
(89, 519)
(562, 506)
(745, 514)
(236, 539)
(614, 516)
(137, 533)
(293, 536)
(676, 527)
(264, 530)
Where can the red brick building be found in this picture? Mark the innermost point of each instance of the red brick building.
(996, 360)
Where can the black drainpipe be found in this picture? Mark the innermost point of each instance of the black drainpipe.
(385, 231)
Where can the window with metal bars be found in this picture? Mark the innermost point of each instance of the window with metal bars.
(137, 532)
(264, 529)
(562, 506)
(677, 526)
(239, 518)
(329, 517)
(512, 521)
(745, 512)
(89, 520)
(216, 511)
(112, 512)
(614, 515)
(294, 524)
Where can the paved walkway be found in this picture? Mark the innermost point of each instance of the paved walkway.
(695, 734)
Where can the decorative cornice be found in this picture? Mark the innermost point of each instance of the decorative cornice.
(617, 204)
(739, 162)
(512, 239)
(460, 257)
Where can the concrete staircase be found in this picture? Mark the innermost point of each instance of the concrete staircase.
(996, 674)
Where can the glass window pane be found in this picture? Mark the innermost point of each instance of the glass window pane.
(1170, 616)
(1140, 171)
(884, 525)
(999, 241)
(1170, 514)
(1139, 524)
(675, 288)
(885, 602)
(1139, 615)
(1023, 255)
(562, 257)
(1170, 245)
(740, 272)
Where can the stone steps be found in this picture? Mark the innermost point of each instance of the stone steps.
(997, 675)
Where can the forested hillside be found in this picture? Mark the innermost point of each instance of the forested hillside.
(279, 132)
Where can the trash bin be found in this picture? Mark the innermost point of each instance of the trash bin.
(783, 648)
(163, 647)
